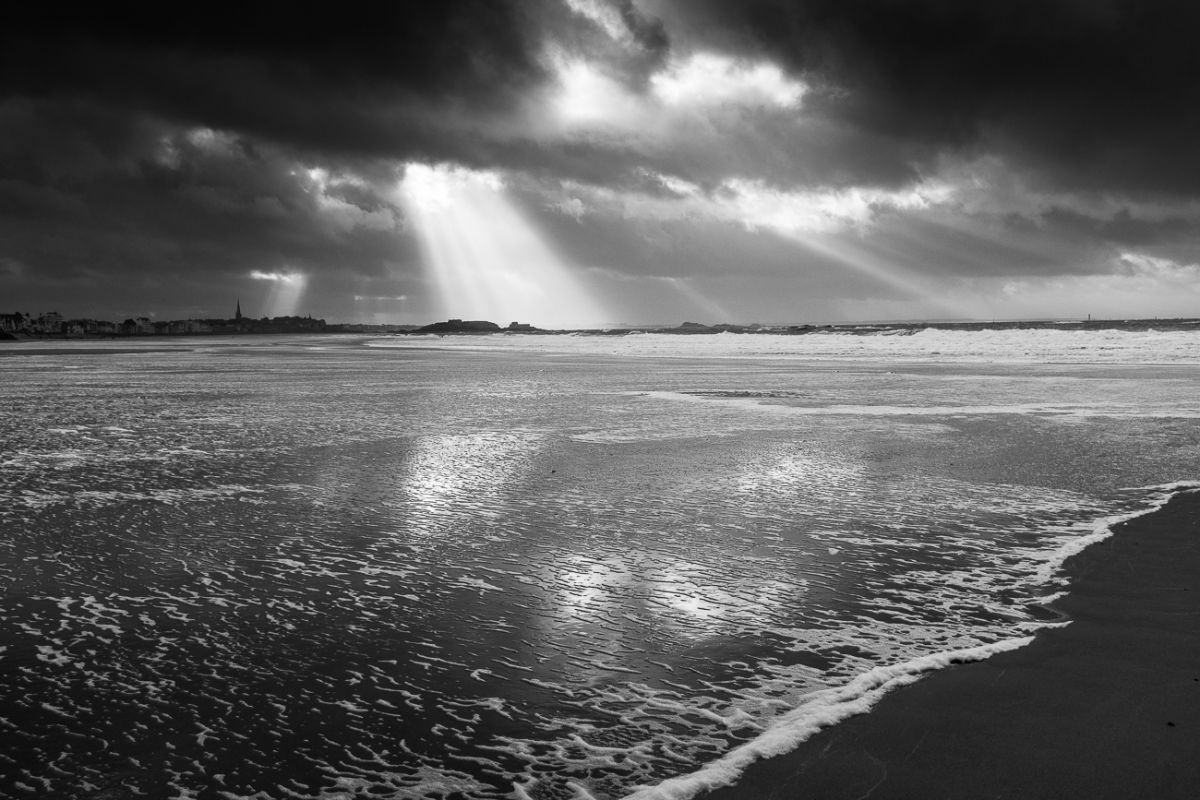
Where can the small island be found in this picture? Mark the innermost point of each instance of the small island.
(474, 326)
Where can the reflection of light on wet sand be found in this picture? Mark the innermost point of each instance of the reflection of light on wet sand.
(451, 474)
(581, 586)
(698, 606)
(713, 602)
(796, 469)
(705, 614)
(635, 596)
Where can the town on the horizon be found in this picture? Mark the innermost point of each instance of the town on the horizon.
(53, 324)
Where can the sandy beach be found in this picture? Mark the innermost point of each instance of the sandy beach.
(1106, 707)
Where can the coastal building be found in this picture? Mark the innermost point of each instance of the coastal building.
(184, 327)
(49, 322)
(12, 323)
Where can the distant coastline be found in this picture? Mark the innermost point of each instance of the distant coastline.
(23, 327)
(52, 326)
(477, 327)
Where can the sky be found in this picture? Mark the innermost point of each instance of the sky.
(570, 163)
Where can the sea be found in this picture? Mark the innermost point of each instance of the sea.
(536, 566)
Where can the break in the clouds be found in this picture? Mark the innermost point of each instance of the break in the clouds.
(589, 161)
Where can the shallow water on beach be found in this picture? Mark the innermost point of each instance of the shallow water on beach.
(286, 567)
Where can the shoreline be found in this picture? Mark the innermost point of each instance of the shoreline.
(1107, 706)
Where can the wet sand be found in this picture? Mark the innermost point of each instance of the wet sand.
(1106, 707)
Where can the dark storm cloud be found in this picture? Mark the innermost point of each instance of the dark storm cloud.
(1124, 228)
(647, 31)
(350, 78)
(1089, 94)
(444, 81)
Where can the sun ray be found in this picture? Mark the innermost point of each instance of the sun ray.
(485, 258)
(286, 294)
(687, 289)
(886, 271)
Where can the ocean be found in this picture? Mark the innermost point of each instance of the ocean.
(551, 566)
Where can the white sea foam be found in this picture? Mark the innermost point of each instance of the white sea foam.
(772, 405)
(1038, 345)
(819, 710)
(1104, 527)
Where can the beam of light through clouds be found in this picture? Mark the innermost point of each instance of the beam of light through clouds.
(837, 225)
(711, 308)
(286, 294)
(486, 260)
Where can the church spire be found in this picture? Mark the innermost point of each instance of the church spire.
(238, 315)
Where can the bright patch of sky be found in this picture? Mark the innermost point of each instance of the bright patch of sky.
(708, 79)
(286, 294)
(756, 205)
(275, 276)
(604, 15)
(586, 97)
(589, 98)
(679, 186)
(209, 139)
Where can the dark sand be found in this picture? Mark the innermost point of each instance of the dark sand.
(1107, 707)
